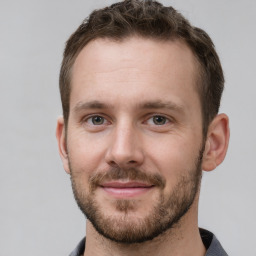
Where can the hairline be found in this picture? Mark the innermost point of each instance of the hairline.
(199, 71)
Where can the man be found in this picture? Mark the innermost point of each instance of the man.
(140, 90)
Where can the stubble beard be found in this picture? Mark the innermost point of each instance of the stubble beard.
(125, 228)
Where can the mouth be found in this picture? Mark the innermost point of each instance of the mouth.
(128, 189)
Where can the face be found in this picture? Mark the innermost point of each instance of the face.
(134, 137)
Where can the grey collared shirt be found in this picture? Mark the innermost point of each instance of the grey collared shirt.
(210, 241)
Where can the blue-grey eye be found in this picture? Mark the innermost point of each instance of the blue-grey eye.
(97, 120)
(159, 120)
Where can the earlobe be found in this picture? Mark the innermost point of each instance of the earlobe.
(61, 139)
(216, 143)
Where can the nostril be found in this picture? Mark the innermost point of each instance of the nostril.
(113, 163)
(122, 164)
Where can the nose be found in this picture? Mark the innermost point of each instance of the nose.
(125, 148)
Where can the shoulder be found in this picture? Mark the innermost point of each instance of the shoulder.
(79, 250)
(212, 244)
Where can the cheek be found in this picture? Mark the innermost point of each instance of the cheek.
(173, 158)
(86, 152)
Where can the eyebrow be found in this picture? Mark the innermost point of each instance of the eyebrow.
(91, 105)
(159, 104)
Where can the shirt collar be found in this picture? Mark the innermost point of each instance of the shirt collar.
(210, 241)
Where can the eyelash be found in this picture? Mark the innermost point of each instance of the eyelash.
(167, 120)
(85, 120)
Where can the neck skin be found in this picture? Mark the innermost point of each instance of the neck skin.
(181, 240)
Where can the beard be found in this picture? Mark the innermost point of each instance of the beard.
(123, 227)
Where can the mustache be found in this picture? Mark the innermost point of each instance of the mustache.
(133, 174)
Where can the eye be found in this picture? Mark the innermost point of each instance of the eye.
(158, 120)
(96, 120)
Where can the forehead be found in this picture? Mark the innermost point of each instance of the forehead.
(108, 67)
(99, 52)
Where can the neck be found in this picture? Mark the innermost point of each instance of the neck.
(180, 240)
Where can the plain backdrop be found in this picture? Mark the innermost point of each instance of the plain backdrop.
(38, 215)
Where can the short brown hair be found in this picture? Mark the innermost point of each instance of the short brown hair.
(148, 19)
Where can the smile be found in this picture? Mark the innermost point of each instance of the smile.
(130, 189)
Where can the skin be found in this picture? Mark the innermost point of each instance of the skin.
(115, 80)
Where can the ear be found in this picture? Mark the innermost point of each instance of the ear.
(61, 139)
(216, 143)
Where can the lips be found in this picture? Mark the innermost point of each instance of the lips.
(128, 189)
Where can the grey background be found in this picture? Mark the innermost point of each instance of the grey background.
(38, 215)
